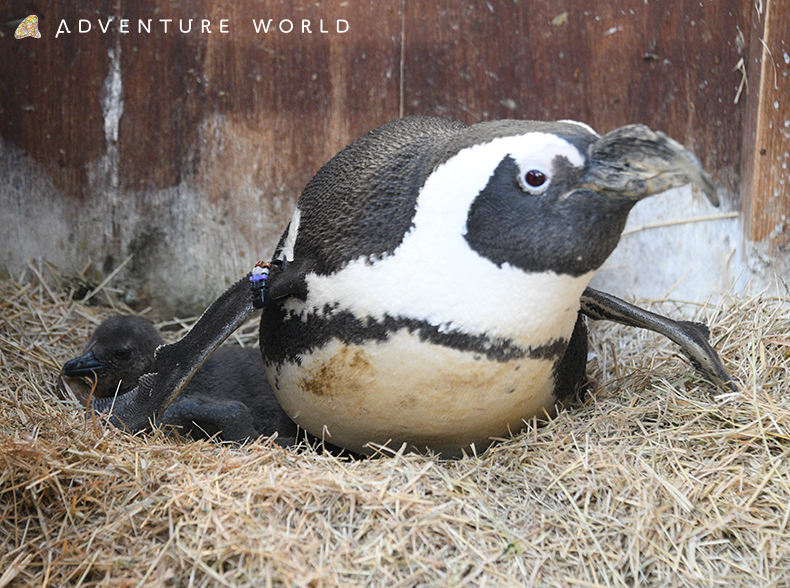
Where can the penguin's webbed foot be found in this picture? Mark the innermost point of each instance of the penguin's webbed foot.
(228, 419)
(692, 337)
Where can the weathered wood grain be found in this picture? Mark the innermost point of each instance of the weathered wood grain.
(51, 90)
(766, 138)
(668, 65)
(218, 133)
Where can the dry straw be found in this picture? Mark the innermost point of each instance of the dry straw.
(656, 479)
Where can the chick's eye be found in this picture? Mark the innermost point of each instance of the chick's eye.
(123, 354)
(535, 178)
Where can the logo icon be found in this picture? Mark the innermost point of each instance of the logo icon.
(28, 28)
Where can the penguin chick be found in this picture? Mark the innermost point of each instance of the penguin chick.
(431, 286)
(229, 398)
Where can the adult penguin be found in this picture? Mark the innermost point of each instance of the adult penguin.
(430, 286)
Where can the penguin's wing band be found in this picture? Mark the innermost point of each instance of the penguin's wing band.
(690, 336)
(175, 364)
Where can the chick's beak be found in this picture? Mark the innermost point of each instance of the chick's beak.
(84, 365)
(636, 162)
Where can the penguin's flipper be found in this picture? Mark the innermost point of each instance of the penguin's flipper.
(690, 336)
(175, 364)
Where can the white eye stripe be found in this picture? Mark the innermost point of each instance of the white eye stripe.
(585, 126)
(542, 150)
(540, 158)
(287, 252)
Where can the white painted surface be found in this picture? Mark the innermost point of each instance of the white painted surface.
(683, 260)
(198, 249)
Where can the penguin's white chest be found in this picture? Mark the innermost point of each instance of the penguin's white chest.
(404, 390)
(454, 367)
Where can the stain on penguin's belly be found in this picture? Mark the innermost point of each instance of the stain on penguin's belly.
(406, 389)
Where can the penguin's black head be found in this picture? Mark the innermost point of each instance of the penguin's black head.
(559, 194)
(121, 349)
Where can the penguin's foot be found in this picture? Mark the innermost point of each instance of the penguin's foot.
(690, 336)
(199, 420)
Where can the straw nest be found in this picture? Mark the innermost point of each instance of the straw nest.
(656, 479)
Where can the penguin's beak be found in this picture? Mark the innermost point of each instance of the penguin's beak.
(636, 162)
(85, 365)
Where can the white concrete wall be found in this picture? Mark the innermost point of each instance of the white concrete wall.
(677, 245)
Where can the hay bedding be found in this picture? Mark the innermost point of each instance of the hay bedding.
(655, 480)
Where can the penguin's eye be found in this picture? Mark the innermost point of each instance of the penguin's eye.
(123, 354)
(535, 178)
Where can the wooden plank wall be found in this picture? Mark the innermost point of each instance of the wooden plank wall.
(233, 125)
(623, 62)
(766, 147)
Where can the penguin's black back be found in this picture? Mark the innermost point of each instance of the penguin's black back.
(370, 205)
